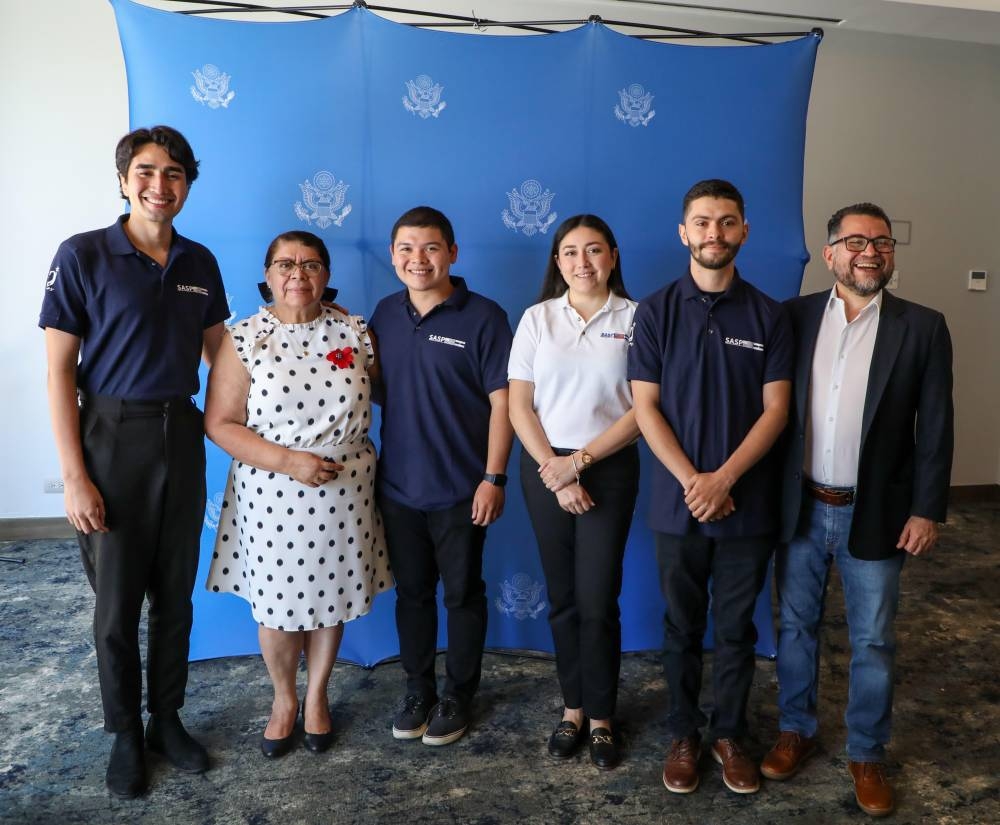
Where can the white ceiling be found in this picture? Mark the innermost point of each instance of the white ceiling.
(974, 21)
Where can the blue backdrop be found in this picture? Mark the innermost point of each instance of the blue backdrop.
(340, 125)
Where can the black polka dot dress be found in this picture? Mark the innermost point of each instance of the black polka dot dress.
(304, 557)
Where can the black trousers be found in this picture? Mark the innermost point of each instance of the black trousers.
(582, 560)
(148, 462)
(737, 568)
(425, 545)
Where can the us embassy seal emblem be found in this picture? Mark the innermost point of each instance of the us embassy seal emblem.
(529, 209)
(213, 511)
(520, 597)
(634, 105)
(424, 97)
(211, 87)
(323, 197)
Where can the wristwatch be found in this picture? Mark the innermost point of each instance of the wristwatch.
(586, 459)
(497, 479)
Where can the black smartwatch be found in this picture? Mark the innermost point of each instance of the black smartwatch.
(497, 479)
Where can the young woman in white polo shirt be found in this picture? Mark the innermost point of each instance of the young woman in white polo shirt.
(571, 407)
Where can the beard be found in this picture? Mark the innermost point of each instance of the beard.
(865, 285)
(717, 258)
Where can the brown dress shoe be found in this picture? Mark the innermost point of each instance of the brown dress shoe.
(680, 769)
(871, 788)
(787, 755)
(739, 771)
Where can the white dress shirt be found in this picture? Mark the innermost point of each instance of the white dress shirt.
(837, 389)
(578, 367)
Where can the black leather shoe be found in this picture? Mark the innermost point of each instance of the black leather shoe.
(565, 740)
(604, 751)
(126, 776)
(165, 735)
(274, 748)
(315, 742)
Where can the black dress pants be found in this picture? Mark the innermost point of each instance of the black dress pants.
(425, 545)
(582, 560)
(737, 568)
(147, 459)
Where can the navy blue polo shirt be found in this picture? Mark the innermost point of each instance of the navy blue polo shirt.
(437, 374)
(711, 357)
(140, 324)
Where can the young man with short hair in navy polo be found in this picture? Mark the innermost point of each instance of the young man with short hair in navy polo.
(128, 313)
(446, 438)
(710, 366)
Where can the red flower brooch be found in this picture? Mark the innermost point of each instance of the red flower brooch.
(341, 358)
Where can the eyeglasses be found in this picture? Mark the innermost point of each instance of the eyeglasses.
(859, 243)
(283, 266)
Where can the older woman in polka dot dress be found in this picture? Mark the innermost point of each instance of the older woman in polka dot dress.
(299, 537)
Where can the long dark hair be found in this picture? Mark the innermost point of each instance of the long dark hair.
(553, 284)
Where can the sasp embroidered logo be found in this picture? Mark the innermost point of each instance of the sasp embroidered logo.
(742, 342)
(442, 339)
(196, 290)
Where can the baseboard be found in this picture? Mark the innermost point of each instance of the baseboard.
(972, 493)
(20, 529)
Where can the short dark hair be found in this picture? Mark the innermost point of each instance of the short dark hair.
(425, 216)
(172, 142)
(837, 218)
(713, 188)
(553, 284)
(307, 239)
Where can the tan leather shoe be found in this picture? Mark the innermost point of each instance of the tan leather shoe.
(680, 769)
(871, 788)
(739, 771)
(786, 757)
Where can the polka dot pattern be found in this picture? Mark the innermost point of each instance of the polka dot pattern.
(304, 557)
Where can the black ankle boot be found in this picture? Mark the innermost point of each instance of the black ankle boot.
(126, 776)
(165, 735)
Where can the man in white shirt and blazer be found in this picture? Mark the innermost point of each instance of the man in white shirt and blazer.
(867, 472)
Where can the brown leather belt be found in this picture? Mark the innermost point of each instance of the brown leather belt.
(834, 496)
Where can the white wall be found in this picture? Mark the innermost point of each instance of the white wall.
(924, 149)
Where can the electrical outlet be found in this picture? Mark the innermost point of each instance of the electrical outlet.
(52, 485)
(893, 280)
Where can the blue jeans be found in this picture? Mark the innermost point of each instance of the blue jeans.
(871, 595)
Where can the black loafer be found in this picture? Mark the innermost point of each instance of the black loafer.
(604, 750)
(126, 776)
(166, 736)
(565, 740)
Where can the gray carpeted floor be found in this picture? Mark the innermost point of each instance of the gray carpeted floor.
(945, 756)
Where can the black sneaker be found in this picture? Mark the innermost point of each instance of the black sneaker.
(410, 720)
(448, 722)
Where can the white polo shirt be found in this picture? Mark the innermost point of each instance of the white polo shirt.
(578, 367)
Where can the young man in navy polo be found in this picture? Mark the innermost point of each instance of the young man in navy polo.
(128, 313)
(446, 438)
(710, 366)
